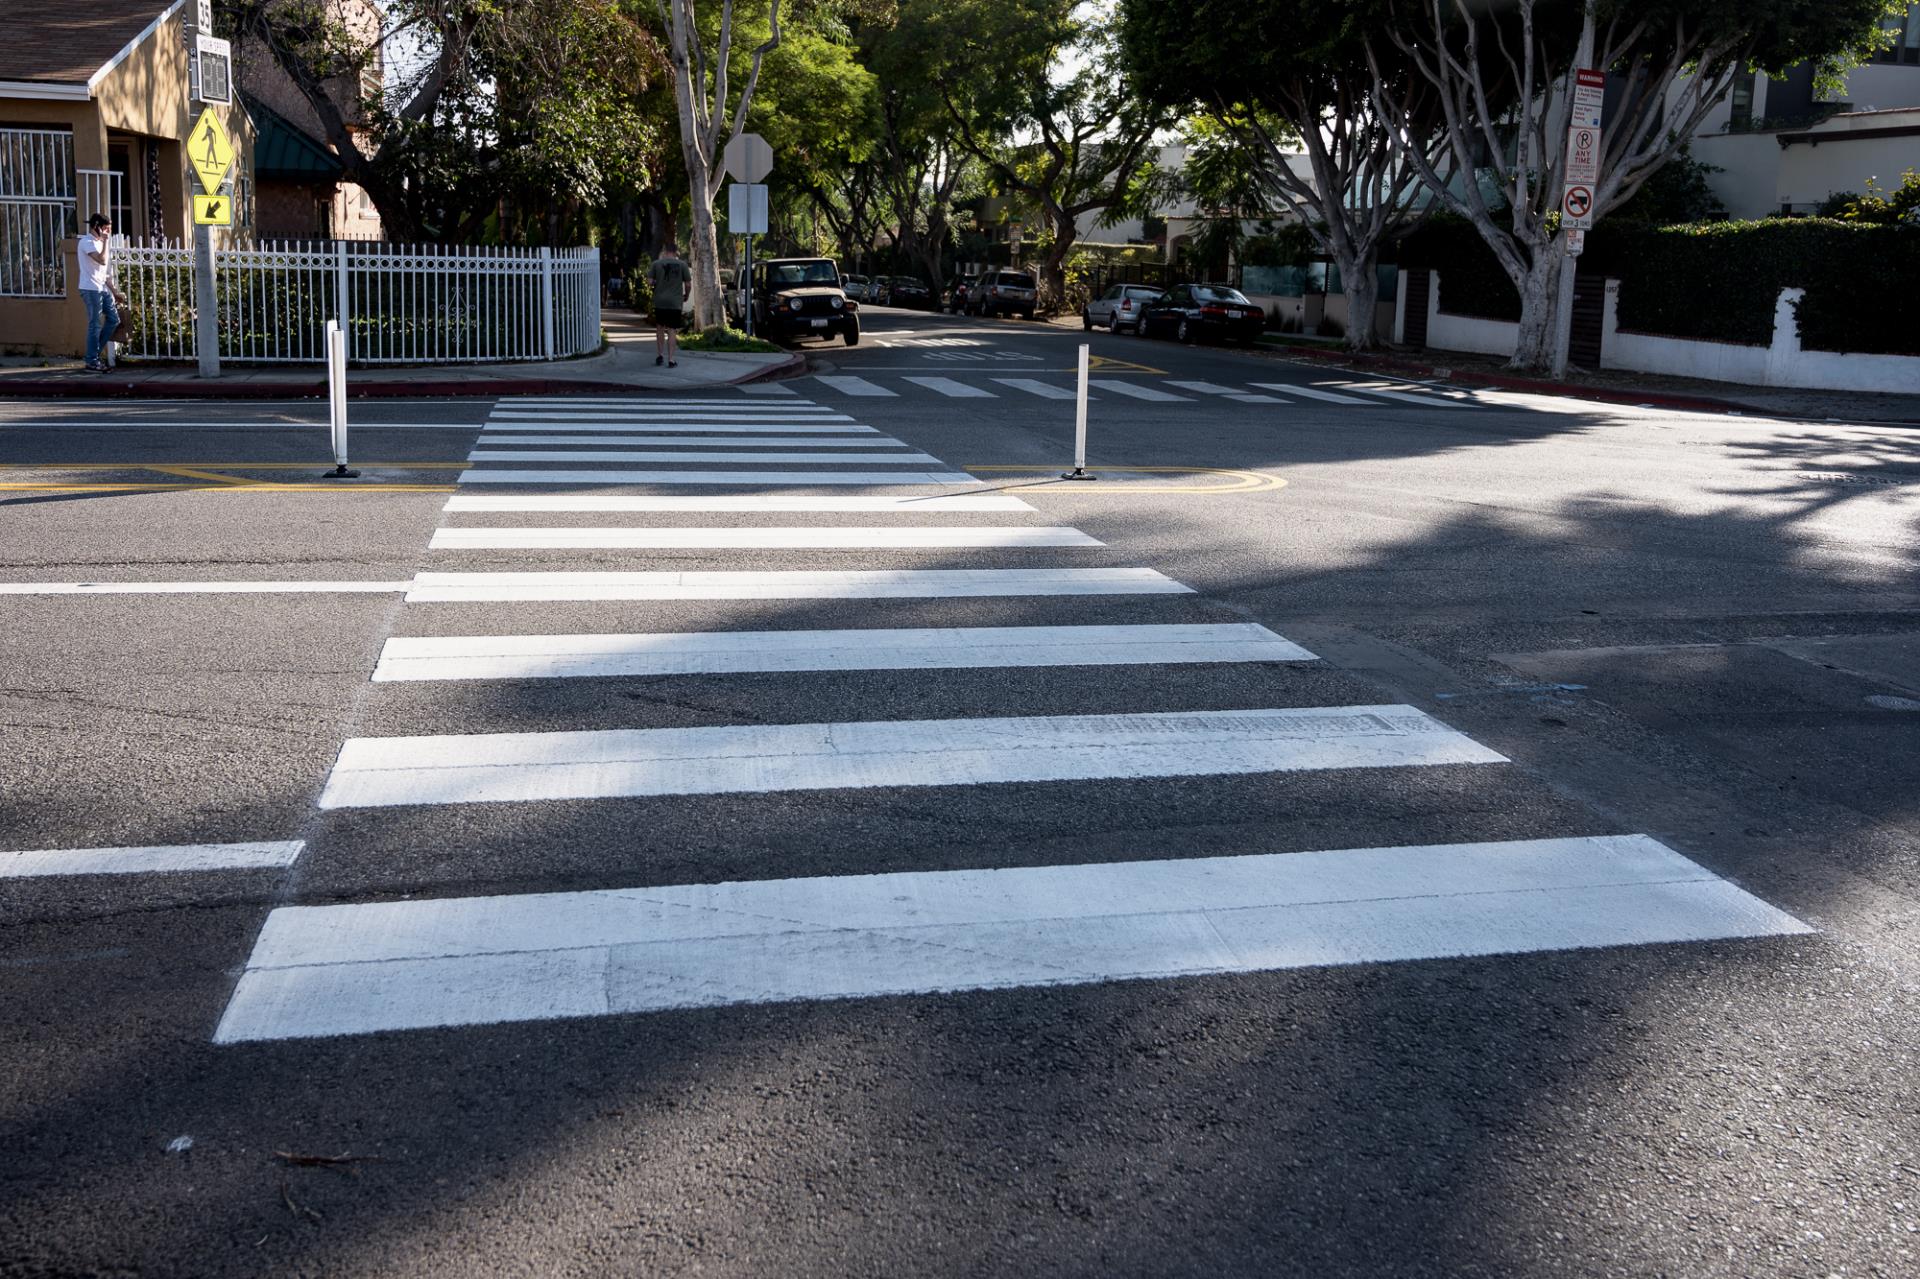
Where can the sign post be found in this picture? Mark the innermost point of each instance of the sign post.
(1079, 471)
(749, 159)
(210, 155)
(337, 402)
(1585, 116)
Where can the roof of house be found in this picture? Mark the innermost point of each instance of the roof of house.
(64, 42)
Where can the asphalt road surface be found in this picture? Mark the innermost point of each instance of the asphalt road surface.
(1373, 829)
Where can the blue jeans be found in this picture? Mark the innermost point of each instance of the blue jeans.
(102, 318)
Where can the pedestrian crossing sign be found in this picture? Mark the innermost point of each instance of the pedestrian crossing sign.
(210, 151)
(212, 210)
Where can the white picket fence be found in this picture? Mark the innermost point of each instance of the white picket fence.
(399, 303)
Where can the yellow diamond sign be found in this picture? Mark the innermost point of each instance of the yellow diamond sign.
(210, 151)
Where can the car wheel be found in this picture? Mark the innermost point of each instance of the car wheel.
(851, 335)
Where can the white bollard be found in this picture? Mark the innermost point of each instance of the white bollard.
(1079, 471)
(336, 342)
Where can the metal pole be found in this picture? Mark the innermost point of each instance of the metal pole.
(745, 284)
(1079, 471)
(206, 317)
(1569, 262)
(337, 401)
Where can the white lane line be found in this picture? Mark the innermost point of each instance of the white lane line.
(1138, 392)
(1045, 390)
(783, 426)
(1315, 393)
(1206, 388)
(375, 772)
(778, 539)
(953, 389)
(625, 455)
(855, 386)
(200, 588)
(784, 479)
(789, 584)
(157, 859)
(483, 657)
(913, 504)
(1425, 400)
(408, 965)
(875, 441)
(767, 388)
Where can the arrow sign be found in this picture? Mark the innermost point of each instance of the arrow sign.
(209, 151)
(212, 210)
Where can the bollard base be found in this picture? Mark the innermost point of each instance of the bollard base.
(340, 472)
(1078, 473)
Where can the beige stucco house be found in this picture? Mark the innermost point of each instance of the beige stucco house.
(94, 113)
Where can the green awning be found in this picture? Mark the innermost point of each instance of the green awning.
(282, 151)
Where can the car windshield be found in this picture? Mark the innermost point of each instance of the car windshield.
(1219, 293)
(789, 273)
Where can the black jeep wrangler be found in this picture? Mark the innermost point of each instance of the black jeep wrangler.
(796, 298)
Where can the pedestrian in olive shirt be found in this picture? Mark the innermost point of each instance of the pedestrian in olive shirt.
(669, 277)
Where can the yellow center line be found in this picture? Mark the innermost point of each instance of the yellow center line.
(1244, 481)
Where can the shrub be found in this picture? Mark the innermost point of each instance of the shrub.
(721, 338)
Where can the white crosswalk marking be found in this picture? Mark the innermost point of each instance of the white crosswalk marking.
(954, 390)
(875, 441)
(1045, 390)
(666, 417)
(630, 455)
(485, 657)
(854, 538)
(910, 504)
(1315, 393)
(787, 479)
(163, 859)
(1426, 399)
(375, 772)
(1136, 391)
(1246, 398)
(767, 388)
(789, 584)
(1206, 388)
(602, 427)
(854, 385)
(355, 969)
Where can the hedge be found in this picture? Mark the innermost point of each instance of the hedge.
(1720, 281)
(1716, 281)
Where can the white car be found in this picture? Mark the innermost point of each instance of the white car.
(855, 286)
(1119, 308)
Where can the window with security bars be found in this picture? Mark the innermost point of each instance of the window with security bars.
(36, 211)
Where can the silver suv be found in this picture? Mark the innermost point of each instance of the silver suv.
(1003, 293)
(1118, 308)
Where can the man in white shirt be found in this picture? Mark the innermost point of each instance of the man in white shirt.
(97, 290)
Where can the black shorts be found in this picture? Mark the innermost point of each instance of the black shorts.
(665, 319)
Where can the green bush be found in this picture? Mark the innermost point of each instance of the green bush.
(1719, 281)
(721, 338)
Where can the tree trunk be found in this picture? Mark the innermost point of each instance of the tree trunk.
(1361, 277)
(1539, 293)
(1053, 271)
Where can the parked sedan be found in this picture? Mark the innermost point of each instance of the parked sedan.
(908, 291)
(1191, 312)
(1118, 308)
(856, 287)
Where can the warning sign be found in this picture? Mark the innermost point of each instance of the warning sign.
(209, 151)
(1578, 207)
(1589, 98)
(212, 210)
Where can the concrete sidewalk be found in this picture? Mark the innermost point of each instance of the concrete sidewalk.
(624, 367)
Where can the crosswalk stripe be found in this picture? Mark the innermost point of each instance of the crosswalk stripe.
(1033, 386)
(1425, 400)
(859, 538)
(875, 441)
(1139, 392)
(1245, 398)
(785, 479)
(613, 401)
(910, 504)
(724, 652)
(854, 386)
(954, 389)
(505, 767)
(1206, 388)
(670, 416)
(628, 455)
(1315, 393)
(295, 587)
(767, 388)
(406, 965)
(156, 859)
(713, 429)
(788, 584)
